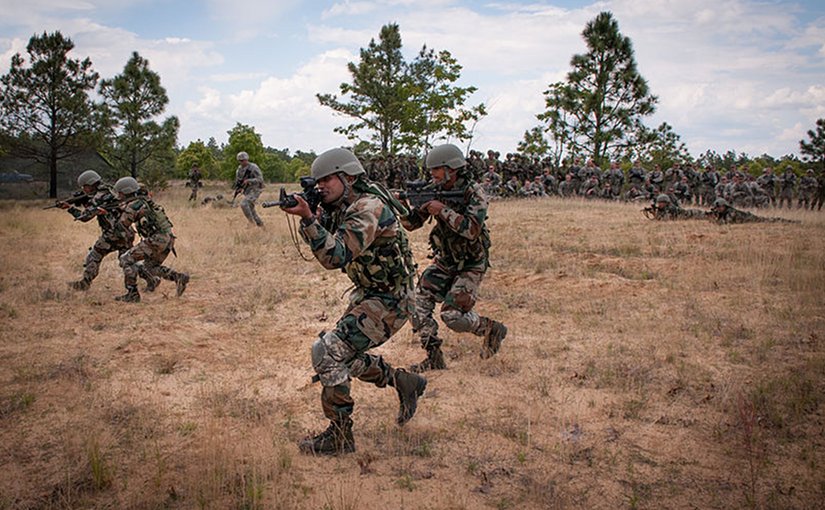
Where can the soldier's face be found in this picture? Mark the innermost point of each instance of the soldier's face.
(330, 188)
(88, 189)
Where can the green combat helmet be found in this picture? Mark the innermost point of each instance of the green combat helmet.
(663, 199)
(127, 185)
(88, 178)
(334, 161)
(446, 155)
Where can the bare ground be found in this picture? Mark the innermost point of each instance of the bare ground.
(648, 365)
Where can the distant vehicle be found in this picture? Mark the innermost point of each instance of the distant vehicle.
(15, 176)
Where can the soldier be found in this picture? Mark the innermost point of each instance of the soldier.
(820, 192)
(250, 180)
(710, 179)
(615, 177)
(157, 240)
(637, 174)
(657, 178)
(548, 180)
(807, 190)
(358, 232)
(723, 213)
(664, 208)
(767, 181)
(113, 236)
(681, 190)
(194, 181)
(460, 243)
(786, 185)
(740, 193)
(635, 193)
(590, 189)
(512, 187)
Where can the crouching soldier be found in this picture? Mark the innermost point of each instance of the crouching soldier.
(97, 202)
(157, 240)
(460, 242)
(358, 232)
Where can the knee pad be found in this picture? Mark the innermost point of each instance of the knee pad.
(459, 321)
(329, 356)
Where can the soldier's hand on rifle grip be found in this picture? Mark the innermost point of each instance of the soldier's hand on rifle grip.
(63, 205)
(433, 207)
(302, 209)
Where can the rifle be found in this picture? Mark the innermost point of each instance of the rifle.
(650, 212)
(77, 198)
(419, 193)
(107, 207)
(309, 193)
(238, 185)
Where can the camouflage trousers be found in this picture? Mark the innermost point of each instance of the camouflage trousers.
(248, 206)
(341, 354)
(786, 195)
(102, 247)
(458, 291)
(152, 250)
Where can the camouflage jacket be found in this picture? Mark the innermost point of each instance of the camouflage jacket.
(363, 238)
(104, 199)
(733, 215)
(674, 212)
(149, 218)
(460, 240)
(253, 177)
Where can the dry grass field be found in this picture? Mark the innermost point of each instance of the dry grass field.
(648, 365)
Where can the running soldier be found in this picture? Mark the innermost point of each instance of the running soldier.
(157, 240)
(358, 233)
(460, 243)
(250, 181)
(100, 201)
(194, 181)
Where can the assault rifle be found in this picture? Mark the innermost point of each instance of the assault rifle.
(77, 198)
(238, 185)
(419, 193)
(309, 193)
(650, 212)
(107, 207)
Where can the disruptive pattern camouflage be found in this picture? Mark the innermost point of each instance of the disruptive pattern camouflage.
(157, 241)
(365, 240)
(674, 212)
(731, 216)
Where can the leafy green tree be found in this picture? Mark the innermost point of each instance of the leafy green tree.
(196, 153)
(242, 138)
(661, 146)
(132, 101)
(814, 150)
(402, 106)
(435, 107)
(604, 98)
(46, 112)
(377, 94)
(534, 143)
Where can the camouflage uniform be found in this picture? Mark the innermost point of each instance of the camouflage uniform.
(157, 241)
(807, 190)
(113, 235)
(194, 182)
(460, 244)
(253, 184)
(360, 234)
(767, 181)
(725, 214)
(674, 212)
(786, 185)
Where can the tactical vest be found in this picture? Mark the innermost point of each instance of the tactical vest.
(153, 220)
(386, 266)
(456, 251)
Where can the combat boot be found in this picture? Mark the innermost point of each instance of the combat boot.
(337, 438)
(433, 361)
(493, 337)
(181, 280)
(409, 387)
(152, 282)
(131, 296)
(83, 284)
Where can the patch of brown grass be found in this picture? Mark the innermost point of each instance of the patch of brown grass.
(648, 365)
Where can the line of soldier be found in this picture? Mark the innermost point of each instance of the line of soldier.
(666, 207)
(121, 210)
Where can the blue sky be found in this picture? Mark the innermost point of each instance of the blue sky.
(730, 74)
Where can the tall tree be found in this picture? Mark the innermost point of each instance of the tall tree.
(196, 153)
(377, 93)
(47, 114)
(132, 101)
(435, 106)
(604, 98)
(815, 148)
(660, 146)
(242, 138)
(402, 106)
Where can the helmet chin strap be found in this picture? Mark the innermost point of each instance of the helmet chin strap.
(347, 188)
